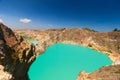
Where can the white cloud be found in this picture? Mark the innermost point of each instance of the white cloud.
(1, 21)
(25, 20)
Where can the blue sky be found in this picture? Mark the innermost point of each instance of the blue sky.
(101, 15)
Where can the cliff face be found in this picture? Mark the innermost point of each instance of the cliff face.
(104, 73)
(16, 55)
(106, 42)
(7, 40)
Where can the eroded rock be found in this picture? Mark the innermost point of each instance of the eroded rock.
(16, 55)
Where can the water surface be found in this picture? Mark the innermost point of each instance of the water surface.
(65, 61)
(33, 41)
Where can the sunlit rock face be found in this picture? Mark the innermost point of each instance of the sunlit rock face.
(7, 40)
(16, 55)
(106, 42)
(105, 73)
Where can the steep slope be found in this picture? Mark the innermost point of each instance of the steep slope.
(106, 42)
(15, 55)
(104, 73)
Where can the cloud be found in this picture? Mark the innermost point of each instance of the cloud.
(1, 21)
(25, 20)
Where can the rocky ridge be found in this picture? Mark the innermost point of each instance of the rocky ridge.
(16, 55)
(105, 73)
(106, 42)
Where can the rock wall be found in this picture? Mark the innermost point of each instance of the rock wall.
(107, 42)
(16, 55)
(104, 73)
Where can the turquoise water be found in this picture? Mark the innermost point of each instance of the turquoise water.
(65, 61)
(33, 41)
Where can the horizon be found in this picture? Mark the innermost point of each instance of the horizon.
(99, 15)
(115, 29)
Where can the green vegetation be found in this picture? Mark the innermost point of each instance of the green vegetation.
(26, 37)
(91, 30)
(116, 29)
(14, 56)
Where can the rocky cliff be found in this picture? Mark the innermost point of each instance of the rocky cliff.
(16, 55)
(106, 42)
(105, 73)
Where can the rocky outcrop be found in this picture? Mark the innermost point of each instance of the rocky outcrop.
(7, 41)
(106, 42)
(82, 76)
(16, 55)
(104, 73)
(4, 75)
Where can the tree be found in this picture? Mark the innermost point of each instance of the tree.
(118, 30)
(115, 29)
